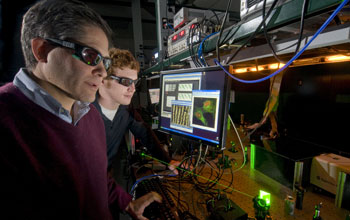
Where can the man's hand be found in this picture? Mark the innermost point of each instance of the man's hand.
(136, 207)
(173, 164)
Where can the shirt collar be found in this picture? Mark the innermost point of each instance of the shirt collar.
(39, 96)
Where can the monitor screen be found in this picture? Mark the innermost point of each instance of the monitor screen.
(194, 104)
(154, 95)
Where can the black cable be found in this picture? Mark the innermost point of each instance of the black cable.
(199, 37)
(267, 37)
(178, 192)
(191, 50)
(217, 17)
(213, 183)
(226, 36)
(190, 46)
(221, 30)
(231, 182)
(304, 10)
(210, 21)
(204, 187)
(337, 20)
(290, 46)
(255, 33)
(202, 184)
(195, 52)
(181, 201)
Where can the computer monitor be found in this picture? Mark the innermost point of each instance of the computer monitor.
(194, 104)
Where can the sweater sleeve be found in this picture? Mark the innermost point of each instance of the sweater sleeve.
(118, 197)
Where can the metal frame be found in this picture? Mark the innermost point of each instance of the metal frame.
(285, 14)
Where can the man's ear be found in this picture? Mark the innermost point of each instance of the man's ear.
(40, 49)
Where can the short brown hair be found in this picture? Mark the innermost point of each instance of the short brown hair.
(121, 59)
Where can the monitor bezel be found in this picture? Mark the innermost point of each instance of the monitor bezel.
(225, 105)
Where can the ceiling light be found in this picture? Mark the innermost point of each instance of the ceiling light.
(337, 58)
(241, 70)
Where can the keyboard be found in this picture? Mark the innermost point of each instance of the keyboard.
(157, 211)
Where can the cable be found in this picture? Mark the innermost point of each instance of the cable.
(240, 142)
(304, 10)
(221, 29)
(199, 157)
(217, 17)
(190, 49)
(200, 50)
(171, 27)
(228, 38)
(255, 33)
(205, 188)
(267, 37)
(192, 53)
(295, 56)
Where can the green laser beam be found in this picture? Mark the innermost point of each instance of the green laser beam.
(202, 177)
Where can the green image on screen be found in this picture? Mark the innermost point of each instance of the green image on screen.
(204, 111)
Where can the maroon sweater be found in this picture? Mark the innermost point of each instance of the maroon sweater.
(50, 169)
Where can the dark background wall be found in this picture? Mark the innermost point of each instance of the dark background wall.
(117, 13)
(314, 104)
(11, 57)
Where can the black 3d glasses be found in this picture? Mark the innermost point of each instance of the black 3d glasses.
(88, 55)
(125, 81)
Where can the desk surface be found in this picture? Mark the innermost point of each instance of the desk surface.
(246, 184)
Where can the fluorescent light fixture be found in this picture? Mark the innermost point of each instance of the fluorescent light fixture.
(337, 58)
(241, 70)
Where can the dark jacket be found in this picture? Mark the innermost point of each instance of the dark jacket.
(123, 121)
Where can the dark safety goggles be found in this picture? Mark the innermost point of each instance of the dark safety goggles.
(125, 81)
(88, 55)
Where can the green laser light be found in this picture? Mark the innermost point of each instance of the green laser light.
(265, 196)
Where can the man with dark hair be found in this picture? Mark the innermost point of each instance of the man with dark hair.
(53, 160)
